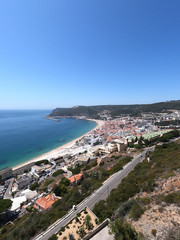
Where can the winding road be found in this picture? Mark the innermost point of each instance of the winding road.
(100, 194)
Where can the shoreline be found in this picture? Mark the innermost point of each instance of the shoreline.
(56, 151)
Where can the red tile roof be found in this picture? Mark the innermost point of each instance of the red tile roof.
(45, 202)
(75, 178)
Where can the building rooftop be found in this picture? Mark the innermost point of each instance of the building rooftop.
(76, 177)
(45, 202)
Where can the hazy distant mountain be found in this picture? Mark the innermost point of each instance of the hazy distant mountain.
(115, 110)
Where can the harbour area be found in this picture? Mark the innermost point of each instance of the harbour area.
(51, 118)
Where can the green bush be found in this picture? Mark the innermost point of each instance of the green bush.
(125, 208)
(122, 230)
(144, 200)
(101, 163)
(76, 170)
(38, 163)
(34, 186)
(172, 197)
(58, 172)
(85, 186)
(154, 231)
(131, 144)
(5, 204)
(62, 229)
(47, 182)
(65, 181)
(136, 211)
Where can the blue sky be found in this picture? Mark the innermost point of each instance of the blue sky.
(62, 53)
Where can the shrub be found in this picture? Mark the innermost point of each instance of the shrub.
(154, 231)
(62, 229)
(4, 230)
(5, 204)
(64, 181)
(81, 232)
(172, 197)
(71, 237)
(34, 186)
(125, 208)
(131, 145)
(77, 219)
(160, 209)
(42, 161)
(58, 172)
(96, 221)
(136, 211)
(144, 200)
(47, 182)
(123, 230)
(101, 163)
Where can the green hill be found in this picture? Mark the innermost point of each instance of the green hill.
(115, 110)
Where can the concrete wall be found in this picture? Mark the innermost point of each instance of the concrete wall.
(21, 170)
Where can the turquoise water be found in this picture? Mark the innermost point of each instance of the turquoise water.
(27, 134)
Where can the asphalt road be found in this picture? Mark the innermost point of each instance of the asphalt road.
(100, 194)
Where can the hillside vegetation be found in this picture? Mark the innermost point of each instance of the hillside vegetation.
(164, 160)
(115, 110)
(141, 194)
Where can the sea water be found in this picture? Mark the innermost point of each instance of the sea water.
(26, 134)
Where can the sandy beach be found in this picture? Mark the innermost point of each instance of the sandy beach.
(57, 151)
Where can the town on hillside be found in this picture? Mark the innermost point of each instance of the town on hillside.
(82, 168)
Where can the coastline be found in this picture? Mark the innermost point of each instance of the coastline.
(56, 152)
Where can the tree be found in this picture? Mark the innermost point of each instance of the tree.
(57, 190)
(58, 172)
(65, 181)
(136, 211)
(88, 223)
(85, 186)
(34, 186)
(125, 208)
(5, 204)
(71, 237)
(60, 190)
(101, 210)
(81, 232)
(122, 230)
(76, 170)
(131, 144)
(136, 139)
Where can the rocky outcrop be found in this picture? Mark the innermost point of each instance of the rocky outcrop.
(160, 218)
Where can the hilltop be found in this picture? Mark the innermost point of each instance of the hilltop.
(115, 110)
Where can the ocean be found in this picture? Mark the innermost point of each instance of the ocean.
(26, 134)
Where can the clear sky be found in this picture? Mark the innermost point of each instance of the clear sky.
(61, 53)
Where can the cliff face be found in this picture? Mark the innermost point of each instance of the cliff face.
(161, 219)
